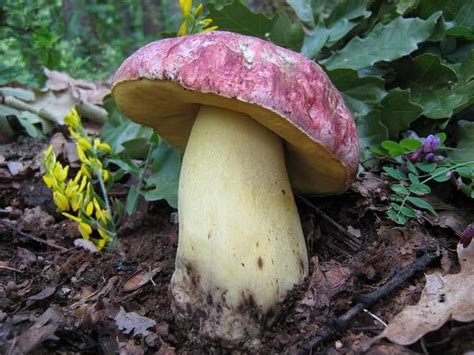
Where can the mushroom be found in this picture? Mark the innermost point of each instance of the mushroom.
(251, 117)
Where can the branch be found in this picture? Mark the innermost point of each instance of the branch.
(350, 240)
(338, 326)
(31, 237)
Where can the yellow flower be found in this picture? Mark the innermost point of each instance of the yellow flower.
(90, 208)
(100, 244)
(60, 173)
(72, 217)
(212, 28)
(183, 29)
(72, 119)
(96, 204)
(104, 147)
(85, 170)
(77, 177)
(76, 201)
(105, 175)
(83, 183)
(49, 152)
(85, 230)
(84, 143)
(104, 234)
(198, 11)
(102, 215)
(81, 154)
(71, 189)
(186, 7)
(60, 201)
(48, 180)
(206, 22)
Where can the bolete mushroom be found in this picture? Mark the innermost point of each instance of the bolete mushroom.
(251, 117)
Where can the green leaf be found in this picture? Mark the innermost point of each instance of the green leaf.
(441, 174)
(377, 151)
(426, 167)
(154, 139)
(450, 8)
(334, 25)
(396, 198)
(464, 134)
(419, 189)
(410, 143)
(392, 214)
(420, 203)
(371, 131)
(414, 179)
(412, 168)
(369, 90)
(344, 17)
(464, 20)
(132, 200)
(236, 17)
(398, 111)
(119, 131)
(138, 147)
(395, 173)
(466, 171)
(303, 10)
(361, 95)
(394, 149)
(432, 85)
(314, 41)
(165, 167)
(120, 211)
(384, 43)
(399, 189)
(442, 137)
(34, 125)
(125, 163)
(395, 216)
(287, 33)
(407, 211)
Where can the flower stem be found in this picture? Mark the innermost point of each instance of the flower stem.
(145, 166)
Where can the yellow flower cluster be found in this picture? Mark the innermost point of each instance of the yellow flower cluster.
(75, 198)
(191, 23)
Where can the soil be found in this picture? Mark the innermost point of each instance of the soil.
(59, 298)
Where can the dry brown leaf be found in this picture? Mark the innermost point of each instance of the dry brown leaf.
(80, 89)
(443, 298)
(140, 279)
(132, 321)
(130, 348)
(43, 329)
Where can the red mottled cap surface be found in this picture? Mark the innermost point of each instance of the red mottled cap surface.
(251, 71)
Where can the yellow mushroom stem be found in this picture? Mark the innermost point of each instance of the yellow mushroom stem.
(241, 246)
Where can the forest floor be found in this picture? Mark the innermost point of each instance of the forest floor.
(56, 297)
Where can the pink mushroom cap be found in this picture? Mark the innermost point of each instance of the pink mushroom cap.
(163, 84)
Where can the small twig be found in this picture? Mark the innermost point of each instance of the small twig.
(423, 346)
(10, 268)
(32, 237)
(350, 240)
(95, 295)
(150, 273)
(378, 319)
(339, 325)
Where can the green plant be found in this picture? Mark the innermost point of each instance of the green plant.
(87, 39)
(76, 198)
(417, 162)
(192, 19)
